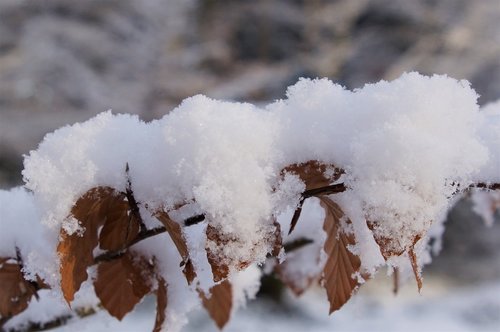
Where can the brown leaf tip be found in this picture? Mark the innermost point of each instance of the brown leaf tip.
(220, 303)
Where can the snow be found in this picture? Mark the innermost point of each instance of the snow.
(407, 147)
(20, 228)
(485, 204)
(490, 135)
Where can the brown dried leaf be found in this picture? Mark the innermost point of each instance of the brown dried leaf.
(313, 174)
(341, 263)
(121, 226)
(161, 304)
(100, 206)
(219, 305)
(122, 283)
(75, 251)
(175, 232)
(15, 291)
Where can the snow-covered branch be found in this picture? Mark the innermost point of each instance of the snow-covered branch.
(194, 202)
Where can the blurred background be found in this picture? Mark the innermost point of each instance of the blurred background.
(65, 61)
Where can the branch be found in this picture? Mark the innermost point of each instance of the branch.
(147, 233)
(297, 244)
(487, 186)
(134, 207)
(194, 220)
(296, 215)
(143, 235)
(331, 189)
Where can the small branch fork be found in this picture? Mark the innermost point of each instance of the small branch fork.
(147, 233)
(331, 189)
(487, 186)
(134, 207)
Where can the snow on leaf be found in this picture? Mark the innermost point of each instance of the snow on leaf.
(389, 246)
(175, 232)
(293, 272)
(218, 261)
(341, 264)
(220, 270)
(161, 304)
(219, 304)
(15, 291)
(293, 279)
(314, 174)
(393, 246)
(122, 283)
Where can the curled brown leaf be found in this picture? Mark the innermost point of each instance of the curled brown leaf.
(122, 283)
(75, 250)
(175, 232)
(220, 302)
(341, 264)
(161, 304)
(414, 264)
(100, 206)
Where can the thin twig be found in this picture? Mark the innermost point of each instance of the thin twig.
(395, 279)
(194, 220)
(331, 189)
(327, 190)
(110, 255)
(134, 207)
(297, 244)
(488, 186)
(296, 215)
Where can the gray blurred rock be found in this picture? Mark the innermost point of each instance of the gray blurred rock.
(62, 62)
(471, 250)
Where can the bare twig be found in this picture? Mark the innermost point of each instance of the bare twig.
(395, 285)
(296, 215)
(113, 254)
(331, 189)
(194, 220)
(488, 186)
(297, 244)
(134, 207)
